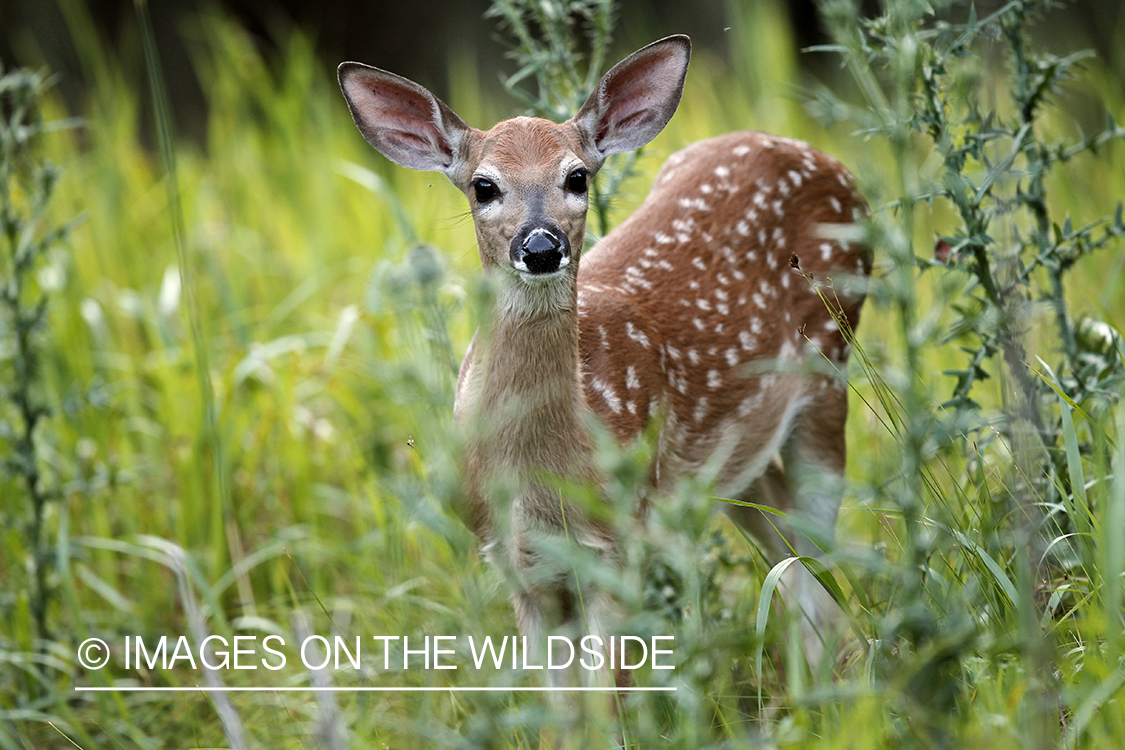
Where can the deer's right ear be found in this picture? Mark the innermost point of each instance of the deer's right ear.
(402, 120)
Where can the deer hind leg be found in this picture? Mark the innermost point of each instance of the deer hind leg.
(807, 486)
(814, 456)
(776, 539)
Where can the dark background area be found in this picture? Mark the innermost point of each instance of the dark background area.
(418, 38)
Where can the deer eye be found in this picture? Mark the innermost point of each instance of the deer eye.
(576, 181)
(484, 189)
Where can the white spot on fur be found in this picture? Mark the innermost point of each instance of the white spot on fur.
(700, 410)
(698, 263)
(748, 342)
(742, 228)
(634, 276)
(636, 334)
(750, 404)
(714, 380)
(796, 178)
(732, 356)
(697, 323)
(697, 203)
(825, 251)
(631, 380)
(606, 391)
(703, 304)
(835, 205)
(740, 150)
(722, 171)
(662, 239)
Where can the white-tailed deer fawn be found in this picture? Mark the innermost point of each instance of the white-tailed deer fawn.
(700, 309)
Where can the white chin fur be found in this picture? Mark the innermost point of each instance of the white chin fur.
(535, 295)
(541, 279)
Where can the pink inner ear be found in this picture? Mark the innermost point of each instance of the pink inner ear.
(400, 122)
(621, 120)
(628, 97)
(410, 141)
(634, 96)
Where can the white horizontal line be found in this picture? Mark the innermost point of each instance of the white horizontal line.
(373, 689)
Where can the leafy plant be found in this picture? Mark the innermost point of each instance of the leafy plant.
(926, 94)
(32, 267)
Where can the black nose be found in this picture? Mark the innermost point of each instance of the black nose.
(540, 250)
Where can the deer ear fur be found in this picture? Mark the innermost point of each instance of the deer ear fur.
(636, 98)
(402, 120)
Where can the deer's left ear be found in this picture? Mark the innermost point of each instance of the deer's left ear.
(636, 98)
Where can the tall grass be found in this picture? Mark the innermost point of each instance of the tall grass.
(335, 295)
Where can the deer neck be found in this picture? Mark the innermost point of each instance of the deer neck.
(522, 390)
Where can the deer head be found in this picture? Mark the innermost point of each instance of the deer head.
(527, 180)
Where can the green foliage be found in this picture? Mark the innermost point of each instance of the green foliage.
(928, 94)
(32, 267)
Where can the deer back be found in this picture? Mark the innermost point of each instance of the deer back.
(703, 305)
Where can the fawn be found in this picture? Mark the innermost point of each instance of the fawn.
(701, 309)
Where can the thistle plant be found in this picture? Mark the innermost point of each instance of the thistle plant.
(29, 243)
(561, 46)
(1003, 255)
